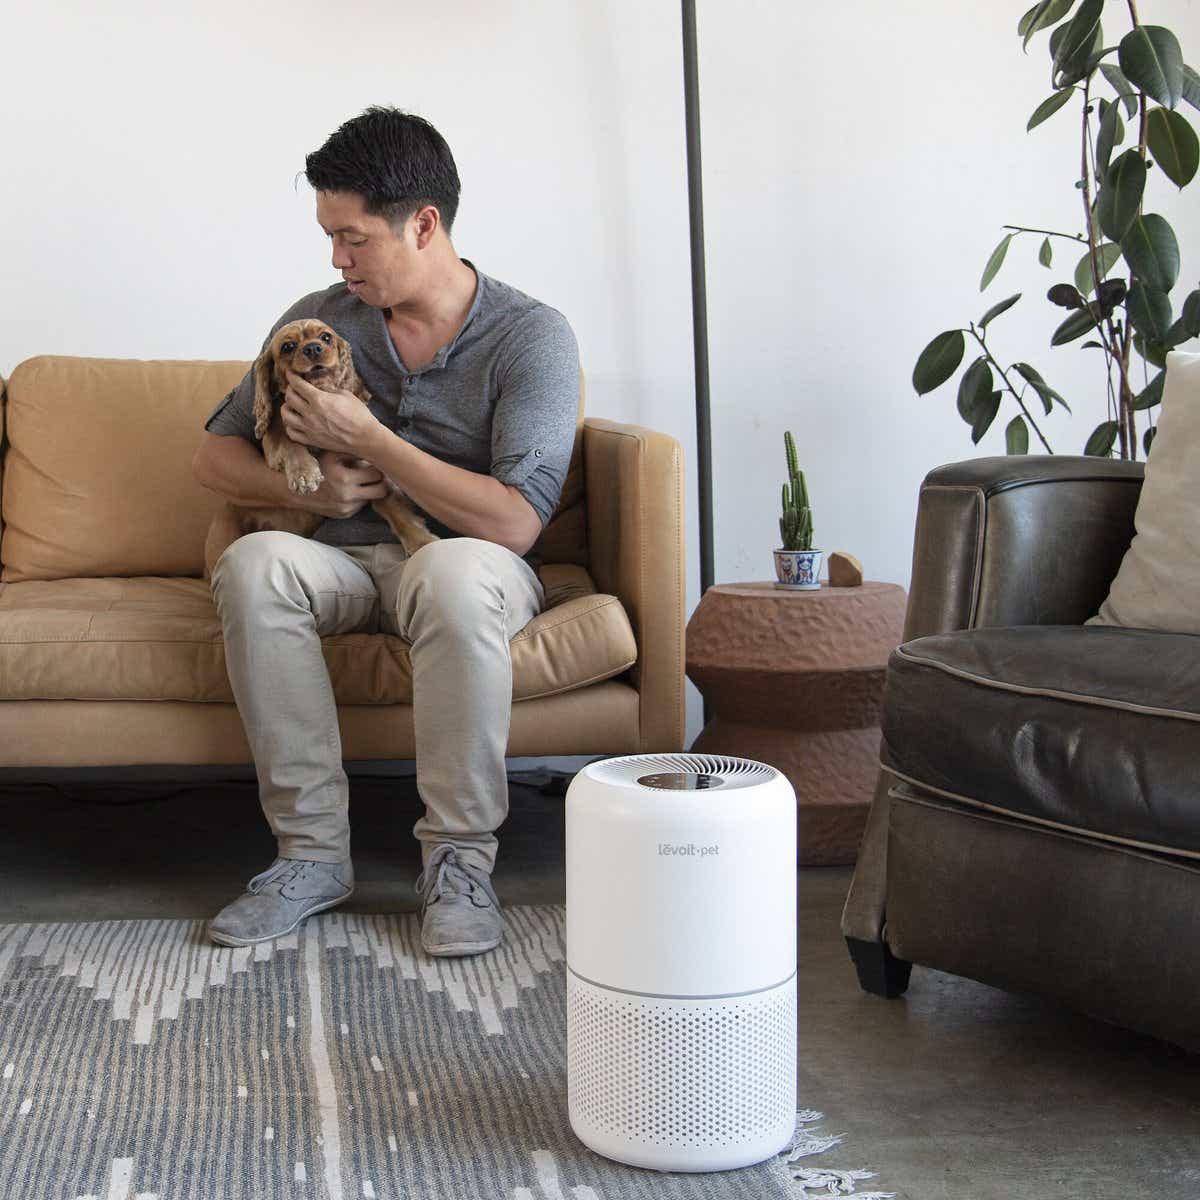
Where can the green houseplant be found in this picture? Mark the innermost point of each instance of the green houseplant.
(1119, 295)
(797, 564)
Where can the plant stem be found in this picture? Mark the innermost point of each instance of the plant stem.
(1074, 237)
(1008, 384)
(1116, 348)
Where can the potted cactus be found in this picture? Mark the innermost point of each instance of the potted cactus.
(797, 564)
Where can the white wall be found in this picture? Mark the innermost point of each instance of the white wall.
(860, 159)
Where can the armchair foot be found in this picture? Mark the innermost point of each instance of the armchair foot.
(879, 971)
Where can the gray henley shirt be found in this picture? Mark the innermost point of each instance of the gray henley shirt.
(502, 399)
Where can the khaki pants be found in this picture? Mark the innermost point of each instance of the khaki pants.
(459, 601)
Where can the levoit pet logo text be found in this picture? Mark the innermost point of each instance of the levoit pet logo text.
(688, 850)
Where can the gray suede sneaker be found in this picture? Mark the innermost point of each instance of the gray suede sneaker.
(460, 914)
(276, 901)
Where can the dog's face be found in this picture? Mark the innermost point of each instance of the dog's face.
(312, 350)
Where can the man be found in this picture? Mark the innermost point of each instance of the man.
(475, 392)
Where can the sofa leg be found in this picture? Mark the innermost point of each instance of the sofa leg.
(880, 972)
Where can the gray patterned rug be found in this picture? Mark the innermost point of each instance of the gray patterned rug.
(139, 1062)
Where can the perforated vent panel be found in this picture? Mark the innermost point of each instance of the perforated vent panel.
(675, 1076)
(731, 772)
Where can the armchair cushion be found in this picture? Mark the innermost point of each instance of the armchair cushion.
(1158, 584)
(1081, 727)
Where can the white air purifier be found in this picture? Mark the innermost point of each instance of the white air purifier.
(681, 960)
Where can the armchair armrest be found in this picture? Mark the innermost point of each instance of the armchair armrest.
(1019, 540)
(634, 481)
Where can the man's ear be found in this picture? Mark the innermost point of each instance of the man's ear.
(263, 395)
(347, 378)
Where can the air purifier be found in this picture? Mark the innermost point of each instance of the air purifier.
(681, 960)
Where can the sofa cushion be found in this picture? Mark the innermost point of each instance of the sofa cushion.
(157, 638)
(98, 472)
(1158, 584)
(1091, 728)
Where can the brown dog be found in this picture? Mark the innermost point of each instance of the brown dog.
(313, 350)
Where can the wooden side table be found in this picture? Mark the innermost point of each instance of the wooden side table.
(795, 679)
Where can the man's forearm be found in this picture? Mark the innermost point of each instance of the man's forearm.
(470, 503)
(235, 469)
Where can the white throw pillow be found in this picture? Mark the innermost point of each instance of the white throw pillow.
(1158, 585)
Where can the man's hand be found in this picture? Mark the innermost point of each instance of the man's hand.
(326, 420)
(349, 485)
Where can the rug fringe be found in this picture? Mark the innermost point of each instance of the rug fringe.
(816, 1182)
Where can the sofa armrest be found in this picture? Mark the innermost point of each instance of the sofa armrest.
(3, 444)
(634, 482)
(1019, 540)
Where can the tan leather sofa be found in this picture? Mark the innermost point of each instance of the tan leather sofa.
(110, 649)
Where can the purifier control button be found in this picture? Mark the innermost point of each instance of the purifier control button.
(681, 781)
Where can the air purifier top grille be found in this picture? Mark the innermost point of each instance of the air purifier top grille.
(683, 772)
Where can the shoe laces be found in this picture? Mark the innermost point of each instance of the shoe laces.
(445, 875)
(282, 871)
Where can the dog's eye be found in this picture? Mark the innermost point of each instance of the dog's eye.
(287, 347)
(327, 338)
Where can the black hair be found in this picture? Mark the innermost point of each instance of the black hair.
(395, 161)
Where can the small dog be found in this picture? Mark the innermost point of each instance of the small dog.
(313, 350)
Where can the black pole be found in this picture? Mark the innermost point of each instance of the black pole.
(691, 103)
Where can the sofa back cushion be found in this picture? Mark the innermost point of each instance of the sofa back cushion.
(1158, 584)
(98, 472)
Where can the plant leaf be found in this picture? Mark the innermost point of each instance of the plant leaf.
(1122, 87)
(1049, 107)
(1177, 335)
(1107, 255)
(1153, 352)
(997, 309)
(1048, 12)
(1191, 86)
(1039, 385)
(1152, 252)
(1111, 133)
(1148, 438)
(1152, 61)
(1016, 436)
(1174, 145)
(985, 416)
(1045, 253)
(1111, 293)
(1073, 44)
(938, 361)
(1151, 394)
(974, 389)
(995, 261)
(1065, 296)
(1075, 326)
(1121, 194)
(1100, 444)
(1190, 315)
(1149, 311)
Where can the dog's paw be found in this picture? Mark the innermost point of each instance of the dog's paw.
(305, 480)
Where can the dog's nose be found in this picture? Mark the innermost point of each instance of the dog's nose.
(313, 350)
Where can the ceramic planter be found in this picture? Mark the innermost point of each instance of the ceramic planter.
(798, 570)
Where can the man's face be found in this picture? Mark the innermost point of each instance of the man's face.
(378, 265)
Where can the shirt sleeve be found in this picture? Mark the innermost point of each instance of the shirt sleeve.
(536, 414)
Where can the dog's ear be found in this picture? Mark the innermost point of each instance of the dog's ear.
(264, 366)
(347, 378)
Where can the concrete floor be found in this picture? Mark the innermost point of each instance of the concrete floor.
(955, 1092)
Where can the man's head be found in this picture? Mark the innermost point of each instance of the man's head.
(396, 162)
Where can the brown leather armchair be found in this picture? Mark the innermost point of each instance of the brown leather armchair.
(1036, 824)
